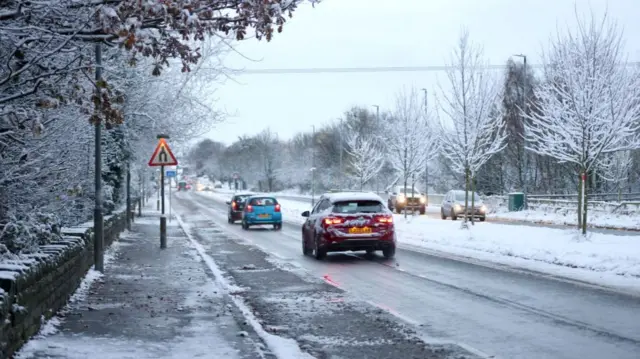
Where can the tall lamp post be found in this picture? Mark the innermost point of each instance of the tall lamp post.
(377, 124)
(313, 166)
(98, 220)
(524, 106)
(426, 162)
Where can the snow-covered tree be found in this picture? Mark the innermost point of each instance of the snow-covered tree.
(589, 105)
(366, 157)
(470, 128)
(410, 139)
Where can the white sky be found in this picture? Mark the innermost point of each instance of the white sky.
(355, 33)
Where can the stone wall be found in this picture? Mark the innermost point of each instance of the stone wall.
(34, 289)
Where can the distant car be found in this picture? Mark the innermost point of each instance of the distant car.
(218, 185)
(236, 206)
(401, 199)
(453, 206)
(348, 221)
(261, 210)
(183, 186)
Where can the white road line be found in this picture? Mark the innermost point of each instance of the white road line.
(283, 348)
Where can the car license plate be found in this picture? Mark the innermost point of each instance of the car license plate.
(263, 216)
(358, 230)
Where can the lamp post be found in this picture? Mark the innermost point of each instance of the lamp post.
(98, 220)
(524, 105)
(313, 166)
(377, 124)
(426, 162)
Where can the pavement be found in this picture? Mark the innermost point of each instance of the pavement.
(502, 311)
(150, 303)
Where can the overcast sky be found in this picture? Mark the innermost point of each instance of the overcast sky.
(357, 33)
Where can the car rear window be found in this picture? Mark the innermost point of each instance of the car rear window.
(358, 206)
(242, 199)
(266, 201)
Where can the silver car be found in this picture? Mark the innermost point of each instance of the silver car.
(453, 206)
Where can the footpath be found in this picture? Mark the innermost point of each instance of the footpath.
(149, 303)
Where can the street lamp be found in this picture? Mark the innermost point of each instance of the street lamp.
(524, 105)
(313, 166)
(378, 125)
(426, 162)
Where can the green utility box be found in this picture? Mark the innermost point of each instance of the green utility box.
(516, 201)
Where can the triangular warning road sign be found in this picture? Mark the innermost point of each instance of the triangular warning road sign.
(163, 156)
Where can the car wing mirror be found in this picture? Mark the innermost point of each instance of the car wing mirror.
(305, 214)
(228, 202)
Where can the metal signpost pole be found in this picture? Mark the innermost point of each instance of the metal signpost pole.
(163, 219)
(170, 199)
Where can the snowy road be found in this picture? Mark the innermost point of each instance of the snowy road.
(509, 314)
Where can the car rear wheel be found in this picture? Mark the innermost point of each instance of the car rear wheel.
(277, 226)
(389, 252)
(483, 218)
(453, 215)
(423, 210)
(230, 220)
(318, 252)
(245, 226)
(442, 215)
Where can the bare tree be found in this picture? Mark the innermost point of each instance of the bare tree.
(366, 157)
(471, 129)
(589, 104)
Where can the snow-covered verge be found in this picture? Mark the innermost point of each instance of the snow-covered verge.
(37, 284)
(563, 216)
(605, 259)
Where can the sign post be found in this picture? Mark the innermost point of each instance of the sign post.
(170, 175)
(162, 156)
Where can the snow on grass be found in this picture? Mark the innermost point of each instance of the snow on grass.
(283, 348)
(569, 217)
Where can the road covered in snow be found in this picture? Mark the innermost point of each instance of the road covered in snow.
(504, 290)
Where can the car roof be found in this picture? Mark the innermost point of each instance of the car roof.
(352, 196)
(244, 194)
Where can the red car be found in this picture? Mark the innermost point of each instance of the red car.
(348, 221)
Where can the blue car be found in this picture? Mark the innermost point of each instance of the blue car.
(261, 210)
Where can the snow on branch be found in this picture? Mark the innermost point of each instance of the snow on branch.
(471, 128)
(589, 104)
(366, 157)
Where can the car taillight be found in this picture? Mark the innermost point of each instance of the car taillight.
(249, 208)
(385, 219)
(234, 205)
(277, 207)
(333, 220)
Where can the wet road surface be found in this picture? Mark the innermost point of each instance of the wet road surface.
(509, 314)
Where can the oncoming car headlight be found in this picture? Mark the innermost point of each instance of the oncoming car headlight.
(401, 198)
(457, 208)
(423, 200)
(483, 209)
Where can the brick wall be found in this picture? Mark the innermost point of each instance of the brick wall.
(44, 282)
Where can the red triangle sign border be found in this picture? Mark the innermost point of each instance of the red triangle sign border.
(172, 159)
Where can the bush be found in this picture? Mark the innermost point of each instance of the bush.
(25, 234)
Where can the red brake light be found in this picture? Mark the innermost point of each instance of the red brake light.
(333, 220)
(385, 219)
(249, 208)
(234, 205)
(278, 207)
